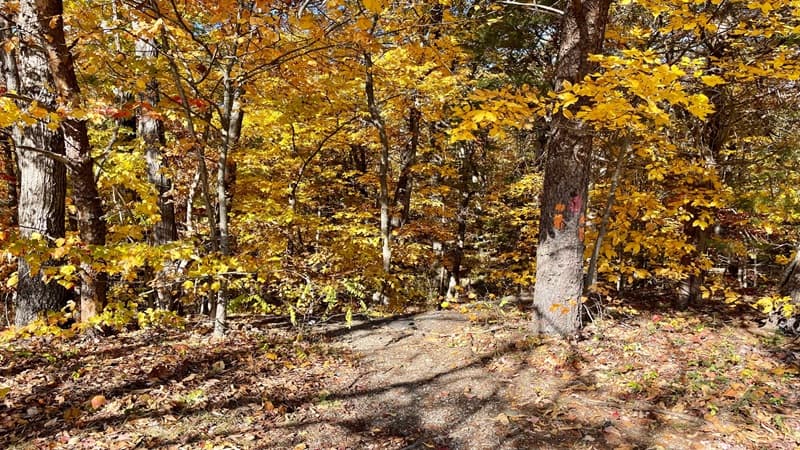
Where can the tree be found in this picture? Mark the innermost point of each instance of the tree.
(40, 155)
(87, 200)
(150, 128)
(568, 153)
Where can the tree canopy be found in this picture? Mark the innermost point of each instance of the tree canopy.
(340, 156)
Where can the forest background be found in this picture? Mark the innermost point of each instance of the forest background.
(317, 158)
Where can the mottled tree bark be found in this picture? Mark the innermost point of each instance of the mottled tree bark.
(559, 257)
(40, 156)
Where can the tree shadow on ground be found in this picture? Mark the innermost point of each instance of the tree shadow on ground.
(395, 413)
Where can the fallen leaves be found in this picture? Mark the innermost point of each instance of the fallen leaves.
(724, 385)
(98, 401)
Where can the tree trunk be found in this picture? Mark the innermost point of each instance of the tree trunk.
(91, 220)
(42, 184)
(9, 160)
(384, 167)
(689, 289)
(559, 257)
(790, 284)
(465, 191)
(151, 130)
(402, 192)
(602, 229)
(232, 119)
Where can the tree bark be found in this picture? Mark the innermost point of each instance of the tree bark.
(91, 220)
(465, 193)
(232, 119)
(9, 160)
(42, 184)
(384, 167)
(559, 257)
(402, 192)
(790, 284)
(150, 130)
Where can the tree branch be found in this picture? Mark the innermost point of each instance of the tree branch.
(545, 9)
(54, 156)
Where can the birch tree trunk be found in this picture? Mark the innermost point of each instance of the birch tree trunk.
(559, 257)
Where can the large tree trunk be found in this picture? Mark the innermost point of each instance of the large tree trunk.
(91, 220)
(559, 257)
(40, 150)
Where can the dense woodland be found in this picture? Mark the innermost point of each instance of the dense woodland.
(315, 158)
(214, 212)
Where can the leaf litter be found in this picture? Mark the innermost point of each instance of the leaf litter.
(468, 379)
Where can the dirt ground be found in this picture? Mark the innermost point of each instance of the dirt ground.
(445, 380)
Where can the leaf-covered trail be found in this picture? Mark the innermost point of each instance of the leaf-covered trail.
(442, 380)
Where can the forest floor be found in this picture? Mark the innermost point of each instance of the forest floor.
(468, 378)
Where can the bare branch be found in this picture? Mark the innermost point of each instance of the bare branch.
(52, 155)
(543, 8)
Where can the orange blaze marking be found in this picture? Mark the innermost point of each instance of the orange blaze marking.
(560, 207)
(558, 222)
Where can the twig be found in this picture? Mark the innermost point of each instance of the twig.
(545, 9)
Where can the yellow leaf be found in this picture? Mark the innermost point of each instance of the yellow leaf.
(4, 391)
(67, 270)
(632, 247)
(12, 280)
(567, 99)
(373, 6)
(271, 356)
(218, 366)
(641, 273)
(712, 80)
